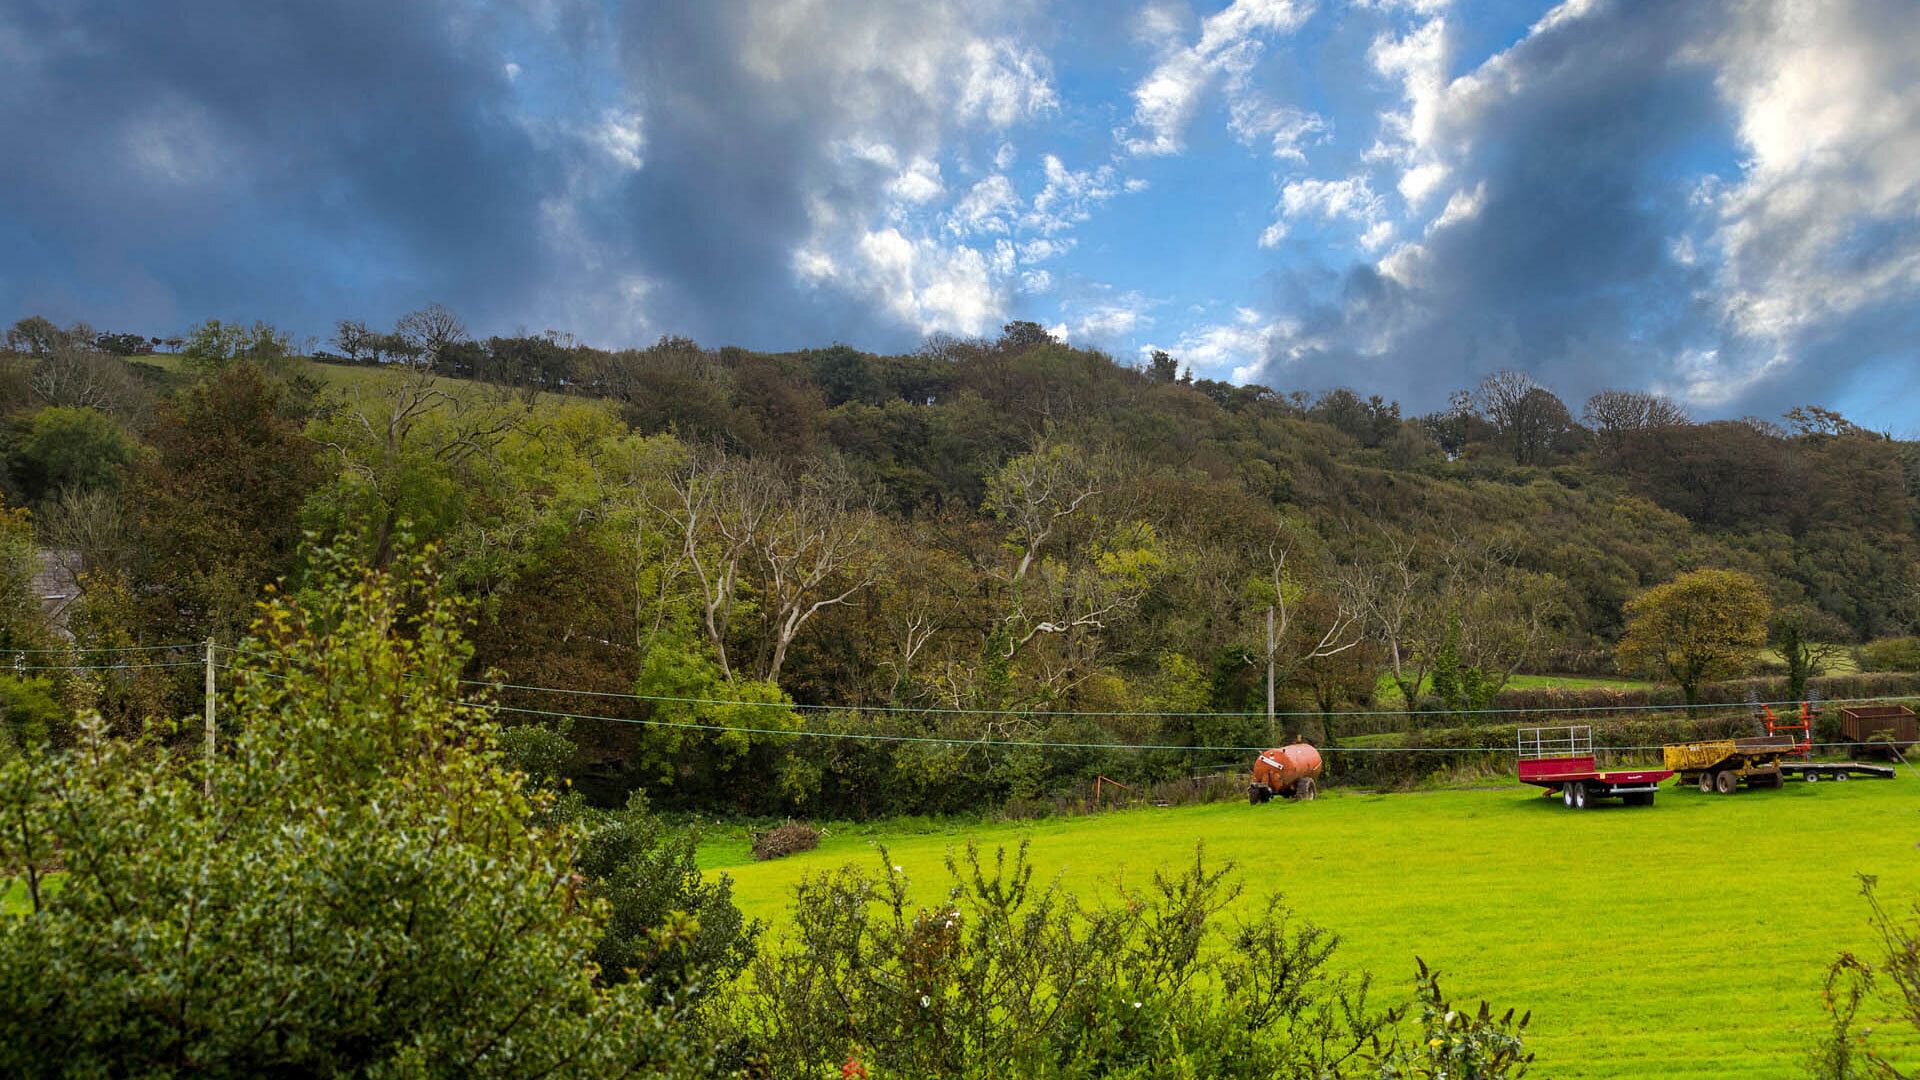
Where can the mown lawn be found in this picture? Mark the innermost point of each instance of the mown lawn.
(1689, 938)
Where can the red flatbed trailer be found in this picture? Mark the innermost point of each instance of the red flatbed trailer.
(1562, 761)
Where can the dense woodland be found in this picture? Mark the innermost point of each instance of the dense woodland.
(966, 542)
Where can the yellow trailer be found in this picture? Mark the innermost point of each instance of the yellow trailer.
(1722, 764)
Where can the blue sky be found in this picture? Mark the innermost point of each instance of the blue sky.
(1718, 199)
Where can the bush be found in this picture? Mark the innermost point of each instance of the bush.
(783, 840)
(29, 714)
(1889, 654)
(1007, 978)
(353, 886)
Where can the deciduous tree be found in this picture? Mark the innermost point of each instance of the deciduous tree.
(1701, 626)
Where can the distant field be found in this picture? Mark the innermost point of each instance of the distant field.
(1386, 692)
(1686, 939)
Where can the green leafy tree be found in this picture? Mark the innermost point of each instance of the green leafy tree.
(23, 624)
(220, 497)
(355, 885)
(1701, 626)
(214, 345)
(77, 448)
(1807, 639)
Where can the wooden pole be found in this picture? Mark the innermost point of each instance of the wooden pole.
(209, 755)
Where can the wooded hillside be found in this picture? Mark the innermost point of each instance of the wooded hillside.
(975, 537)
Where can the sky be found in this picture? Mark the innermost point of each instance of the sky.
(1718, 200)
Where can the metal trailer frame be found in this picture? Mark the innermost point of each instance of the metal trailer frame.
(1561, 760)
(1722, 765)
(1811, 771)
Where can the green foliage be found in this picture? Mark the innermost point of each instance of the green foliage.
(214, 345)
(1700, 626)
(360, 889)
(77, 448)
(1885, 982)
(23, 625)
(1460, 687)
(30, 715)
(1006, 977)
(1890, 654)
(669, 928)
(1454, 1044)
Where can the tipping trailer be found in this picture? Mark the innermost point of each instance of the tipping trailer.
(1722, 765)
(1561, 760)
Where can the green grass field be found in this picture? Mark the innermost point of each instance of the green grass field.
(1386, 692)
(1686, 939)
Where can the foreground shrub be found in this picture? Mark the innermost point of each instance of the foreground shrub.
(788, 839)
(1006, 978)
(352, 886)
(1885, 985)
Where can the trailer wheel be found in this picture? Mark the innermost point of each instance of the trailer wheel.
(1305, 789)
(1258, 793)
(1813, 778)
(1706, 783)
(1839, 776)
(1638, 798)
(1726, 781)
(1579, 796)
(1566, 794)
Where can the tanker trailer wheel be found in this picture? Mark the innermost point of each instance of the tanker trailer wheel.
(1258, 793)
(1706, 783)
(1726, 781)
(1579, 796)
(1305, 789)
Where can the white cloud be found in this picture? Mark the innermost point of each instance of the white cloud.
(1044, 248)
(1407, 135)
(512, 71)
(1108, 321)
(1462, 205)
(1004, 82)
(1036, 281)
(1285, 128)
(1229, 44)
(926, 285)
(1824, 219)
(1351, 199)
(1069, 196)
(622, 138)
(986, 207)
(1238, 348)
(919, 182)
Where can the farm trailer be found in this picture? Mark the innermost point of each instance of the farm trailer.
(1722, 765)
(1880, 730)
(1561, 760)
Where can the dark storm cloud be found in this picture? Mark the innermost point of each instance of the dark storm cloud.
(1565, 268)
(173, 161)
(750, 115)
(1592, 138)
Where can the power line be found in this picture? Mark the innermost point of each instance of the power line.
(947, 710)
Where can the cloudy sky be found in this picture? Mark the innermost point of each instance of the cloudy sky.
(1718, 199)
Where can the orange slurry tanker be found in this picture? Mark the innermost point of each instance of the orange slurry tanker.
(1291, 771)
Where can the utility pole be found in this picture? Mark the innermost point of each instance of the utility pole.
(209, 755)
(1273, 729)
